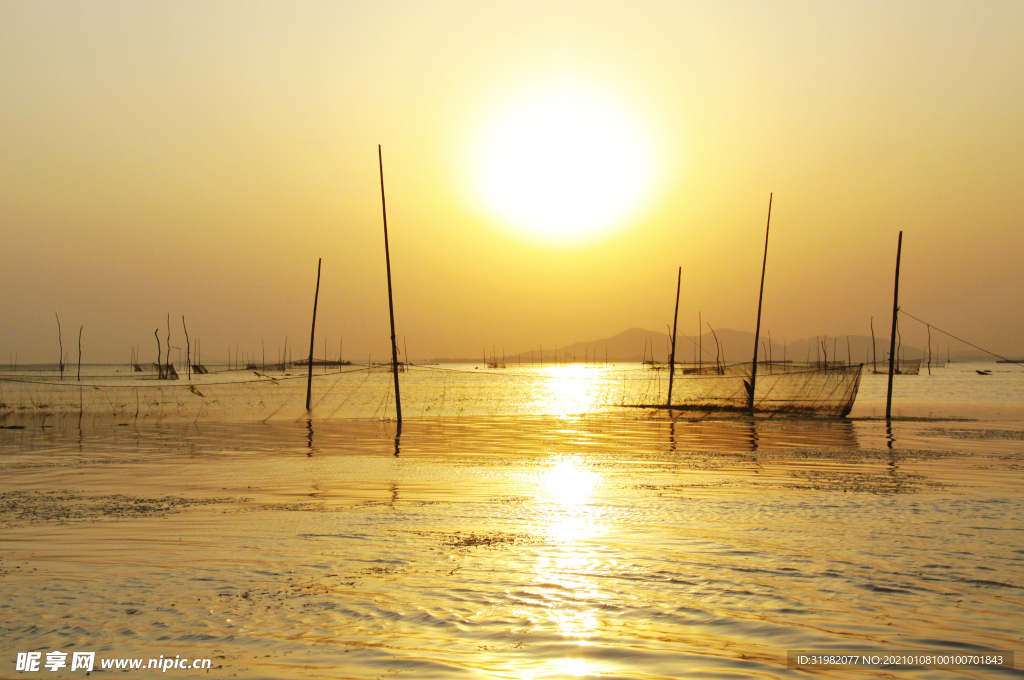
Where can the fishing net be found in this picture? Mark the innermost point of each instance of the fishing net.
(901, 367)
(789, 388)
(426, 392)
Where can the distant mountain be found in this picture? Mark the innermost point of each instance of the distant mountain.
(725, 344)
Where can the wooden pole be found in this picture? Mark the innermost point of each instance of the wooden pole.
(61, 343)
(79, 377)
(675, 325)
(188, 347)
(168, 343)
(159, 354)
(312, 333)
(874, 358)
(892, 335)
(929, 349)
(718, 352)
(760, 298)
(391, 303)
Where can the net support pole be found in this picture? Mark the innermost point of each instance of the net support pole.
(929, 349)
(79, 378)
(760, 299)
(391, 303)
(874, 358)
(312, 334)
(892, 335)
(675, 325)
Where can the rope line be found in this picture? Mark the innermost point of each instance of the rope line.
(1008, 361)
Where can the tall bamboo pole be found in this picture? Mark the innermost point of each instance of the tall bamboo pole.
(312, 333)
(188, 347)
(60, 341)
(892, 336)
(929, 349)
(391, 303)
(874, 358)
(760, 298)
(675, 325)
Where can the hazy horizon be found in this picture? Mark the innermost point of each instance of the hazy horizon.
(194, 159)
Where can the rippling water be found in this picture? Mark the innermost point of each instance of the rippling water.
(617, 544)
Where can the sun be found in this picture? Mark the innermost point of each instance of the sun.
(564, 162)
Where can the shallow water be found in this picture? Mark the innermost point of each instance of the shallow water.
(619, 544)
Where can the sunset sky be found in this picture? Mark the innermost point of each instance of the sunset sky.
(548, 167)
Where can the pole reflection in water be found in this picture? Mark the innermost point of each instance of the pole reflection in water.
(309, 437)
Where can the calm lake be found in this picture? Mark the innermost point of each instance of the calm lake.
(525, 524)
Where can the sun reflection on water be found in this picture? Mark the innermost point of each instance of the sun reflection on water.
(575, 667)
(570, 390)
(568, 482)
(566, 570)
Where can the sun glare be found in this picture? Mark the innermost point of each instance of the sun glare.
(564, 162)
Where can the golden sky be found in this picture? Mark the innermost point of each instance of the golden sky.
(197, 158)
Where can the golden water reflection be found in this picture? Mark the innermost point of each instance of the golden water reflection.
(576, 667)
(569, 482)
(567, 568)
(571, 390)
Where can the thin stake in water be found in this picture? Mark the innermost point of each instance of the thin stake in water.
(760, 298)
(188, 347)
(391, 302)
(312, 333)
(874, 357)
(60, 341)
(675, 325)
(892, 336)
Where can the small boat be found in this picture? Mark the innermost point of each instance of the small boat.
(985, 372)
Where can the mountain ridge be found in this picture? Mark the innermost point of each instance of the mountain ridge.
(723, 344)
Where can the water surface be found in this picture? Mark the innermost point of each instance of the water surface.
(621, 543)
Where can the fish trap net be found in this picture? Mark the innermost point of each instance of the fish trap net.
(782, 388)
(426, 392)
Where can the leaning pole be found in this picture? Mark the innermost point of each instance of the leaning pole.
(675, 324)
(892, 335)
(760, 299)
(391, 303)
(312, 333)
